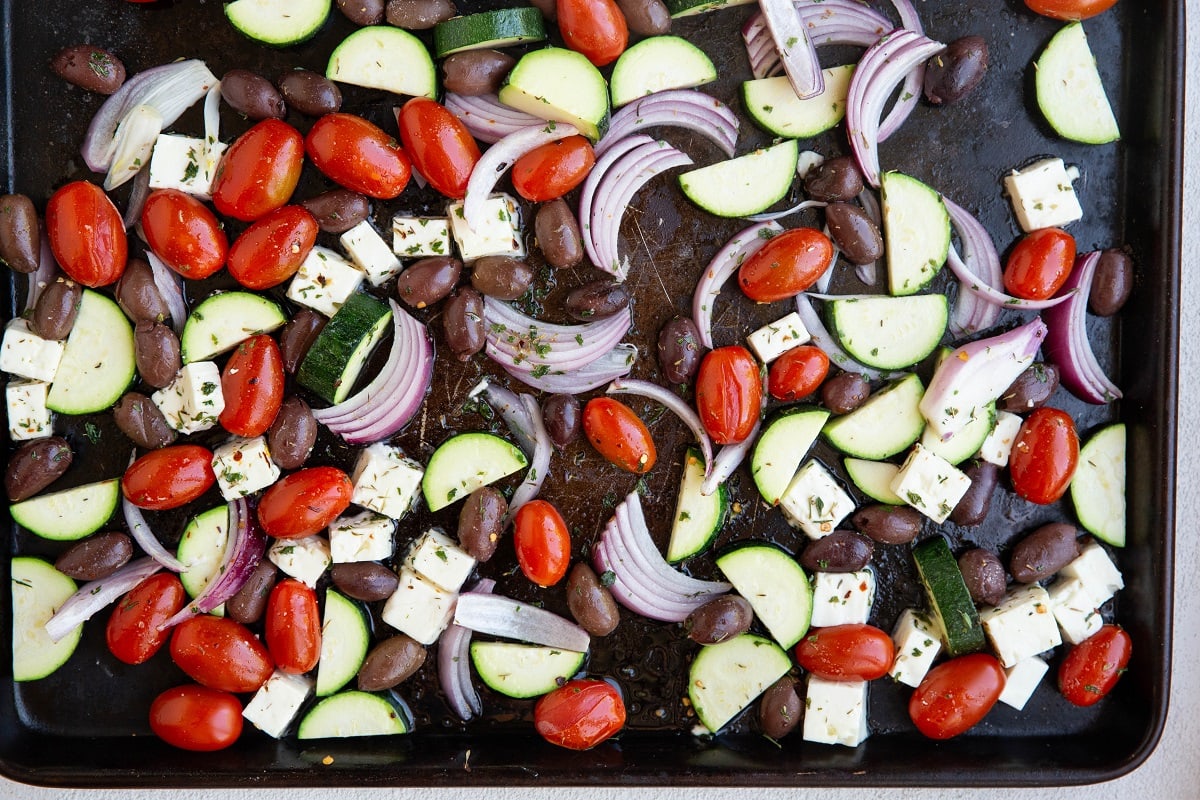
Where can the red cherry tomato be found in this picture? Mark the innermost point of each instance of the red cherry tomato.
(729, 393)
(440, 146)
(184, 233)
(169, 477)
(86, 234)
(797, 373)
(273, 247)
(1092, 667)
(845, 652)
(552, 170)
(196, 718)
(1044, 456)
(787, 265)
(358, 155)
(259, 171)
(580, 714)
(253, 387)
(1069, 9)
(542, 542)
(619, 434)
(132, 633)
(1040, 264)
(221, 654)
(956, 695)
(596, 28)
(293, 627)
(304, 502)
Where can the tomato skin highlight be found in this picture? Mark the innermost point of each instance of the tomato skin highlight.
(86, 234)
(729, 393)
(272, 249)
(358, 155)
(1091, 668)
(1040, 264)
(847, 652)
(596, 28)
(196, 718)
(619, 435)
(221, 654)
(259, 171)
(253, 383)
(184, 233)
(542, 542)
(440, 146)
(132, 633)
(785, 266)
(169, 477)
(580, 714)
(797, 373)
(956, 695)
(550, 171)
(1069, 10)
(304, 502)
(293, 627)
(1044, 456)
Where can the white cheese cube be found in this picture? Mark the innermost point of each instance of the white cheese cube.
(835, 712)
(324, 281)
(1021, 679)
(27, 355)
(243, 466)
(370, 252)
(361, 537)
(420, 237)
(918, 643)
(437, 557)
(771, 341)
(814, 502)
(930, 484)
(498, 232)
(185, 163)
(419, 607)
(842, 598)
(304, 559)
(1042, 195)
(193, 401)
(1095, 570)
(277, 702)
(385, 481)
(28, 416)
(1076, 614)
(1021, 625)
(998, 444)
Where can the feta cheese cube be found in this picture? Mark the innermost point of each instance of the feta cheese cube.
(998, 444)
(193, 401)
(385, 481)
(324, 281)
(930, 484)
(243, 466)
(28, 416)
(835, 712)
(918, 643)
(1021, 625)
(277, 702)
(1076, 614)
(842, 598)
(498, 231)
(419, 237)
(771, 341)
(1095, 570)
(304, 559)
(1021, 679)
(25, 354)
(366, 536)
(419, 607)
(814, 502)
(185, 163)
(437, 557)
(1042, 195)
(370, 252)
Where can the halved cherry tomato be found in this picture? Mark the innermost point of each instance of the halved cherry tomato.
(580, 714)
(259, 171)
(304, 502)
(184, 233)
(440, 146)
(797, 373)
(196, 718)
(596, 28)
(86, 234)
(132, 633)
(293, 627)
(787, 265)
(846, 652)
(956, 695)
(221, 654)
(273, 247)
(357, 154)
(542, 542)
(552, 170)
(1044, 456)
(1091, 669)
(1039, 264)
(619, 434)
(169, 477)
(729, 393)
(253, 387)
(1069, 9)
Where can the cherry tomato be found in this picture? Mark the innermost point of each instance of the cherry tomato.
(1040, 264)
(797, 373)
(580, 714)
(440, 146)
(184, 233)
(785, 266)
(358, 155)
(196, 718)
(552, 170)
(845, 652)
(1069, 9)
(253, 387)
(221, 654)
(619, 434)
(956, 694)
(595, 28)
(86, 234)
(1091, 669)
(304, 502)
(273, 247)
(132, 633)
(293, 627)
(1044, 456)
(729, 393)
(169, 477)
(542, 542)
(259, 171)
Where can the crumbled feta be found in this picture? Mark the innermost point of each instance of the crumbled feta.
(304, 559)
(324, 281)
(814, 502)
(28, 416)
(193, 401)
(1076, 614)
(807, 161)
(1042, 195)
(1095, 570)
(498, 232)
(835, 712)
(998, 444)
(25, 354)
(930, 484)
(439, 558)
(277, 702)
(1021, 625)
(1021, 679)
(385, 481)
(185, 163)
(419, 607)
(842, 598)
(420, 237)
(773, 340)
(370, 252)
(917, 642)
(243, 466)
(366, 536)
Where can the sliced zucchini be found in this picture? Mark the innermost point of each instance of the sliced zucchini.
(502, 27)
(726, 678)
(465, 462)
(687, 8)
(890, 332)
(874, 479)
(1098, 488)
(966, 443)
(345, 638)
(224, 321)
(948, 597)
(38, 589)
(70, 514)
(773, 104)
(883, 426)
(776, 587)
(524, 670)
(278, 22)
(1070, 92)
(337, 357)
(916, 232)
(387, 58)
(98, 362)
(744, 185)
(656, 64)
(561, 85)
(353, 714)
(782, 448)
(698, 518)
(202, 548)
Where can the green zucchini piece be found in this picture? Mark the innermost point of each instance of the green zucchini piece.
(889, 332)
(224, 321)
(782, 448)
(38, 590)
(883, 426)
(524, 670)
(776, 587)
(387, 58)
(278, 23)
(698, 518)
(1069, 91)
(1098, 488)
(71, 514)
(337, 357)
(656, 64)
(502, 27)
(726, 678)
(874, 479)
(773, 104)
(916, 232)
(561, 85)
(949, 598)
(98, 361)
(744, 185)
(465, 462)
(345, 638)
(353, 714)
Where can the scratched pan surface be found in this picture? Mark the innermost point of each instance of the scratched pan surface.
(86, 724)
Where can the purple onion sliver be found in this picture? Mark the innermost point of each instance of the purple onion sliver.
(631, 526)
(497, 159)
(170, 286)
(44, 275)
(744, 244)
(613, 364)
(386, 382)
(507, 618)
(95, 595)
(636, 590)
(769, 216)
(539, 465)
(139, 529)
(1067, 343)
(512, 411)
(673, 402)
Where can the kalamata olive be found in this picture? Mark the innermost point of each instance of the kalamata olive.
(679, 350)
(35, 465)
(20, 240)
(338, 210)
(251, 94)
(591, 604)
(954, 73)
(362, 12)
(549, 8)
(89, 67)
(501, 277)
(888, 524)
(854, 233)
(427, 281)
(138, 295)
(1112, 283)
(310, 92)
(973, 508)
(156, 349)
(298, 336)
(463, 325)
(250, 602)
(562, 417)
(557, 233)
(984, 575)
(419, 15)
(141, 421)
(719, 619)
(1044, 552)
(835, 179)
(646, 17)
(96, 557)
(1032, 389)
(292, 434)
(845, 392)
(476, 72)
(391, 662)
(780, 710)
(840, 551)
(596, 300)
(481, 522)
(55, 309)
(364, 580)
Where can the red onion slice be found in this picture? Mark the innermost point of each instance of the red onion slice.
(514, 413)
(43, 276)
(829, 22)
(613, 364)
(170, 286)
(497, 615)
(133, 144)
(500, 156)
(672, 401)
(796, 50)
(1067, 343)
(454, 664)
(95, 595)
(768, 216)
(868, 273)
(137, 198)
(972, 313)
(728, 459)
(679, 108)
(914, 81)
(139, 529)
(973, 284)
(539, 465)
(526, 344)
(726, 262)
(631, 524)
(587, 194)
(486, 118)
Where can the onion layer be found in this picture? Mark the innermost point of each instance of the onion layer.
(539, 464)
(726, 262)
(486, 118)
(678, 108)
(525, 344)
(139, 529)
(795, 49)
(454, 664)
(170, 286)
(516, 416)
(613, 364)
(675, 403)
(95, 595)
(1067, 343)
(500, 156)
(822, 339)
(505, 617)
